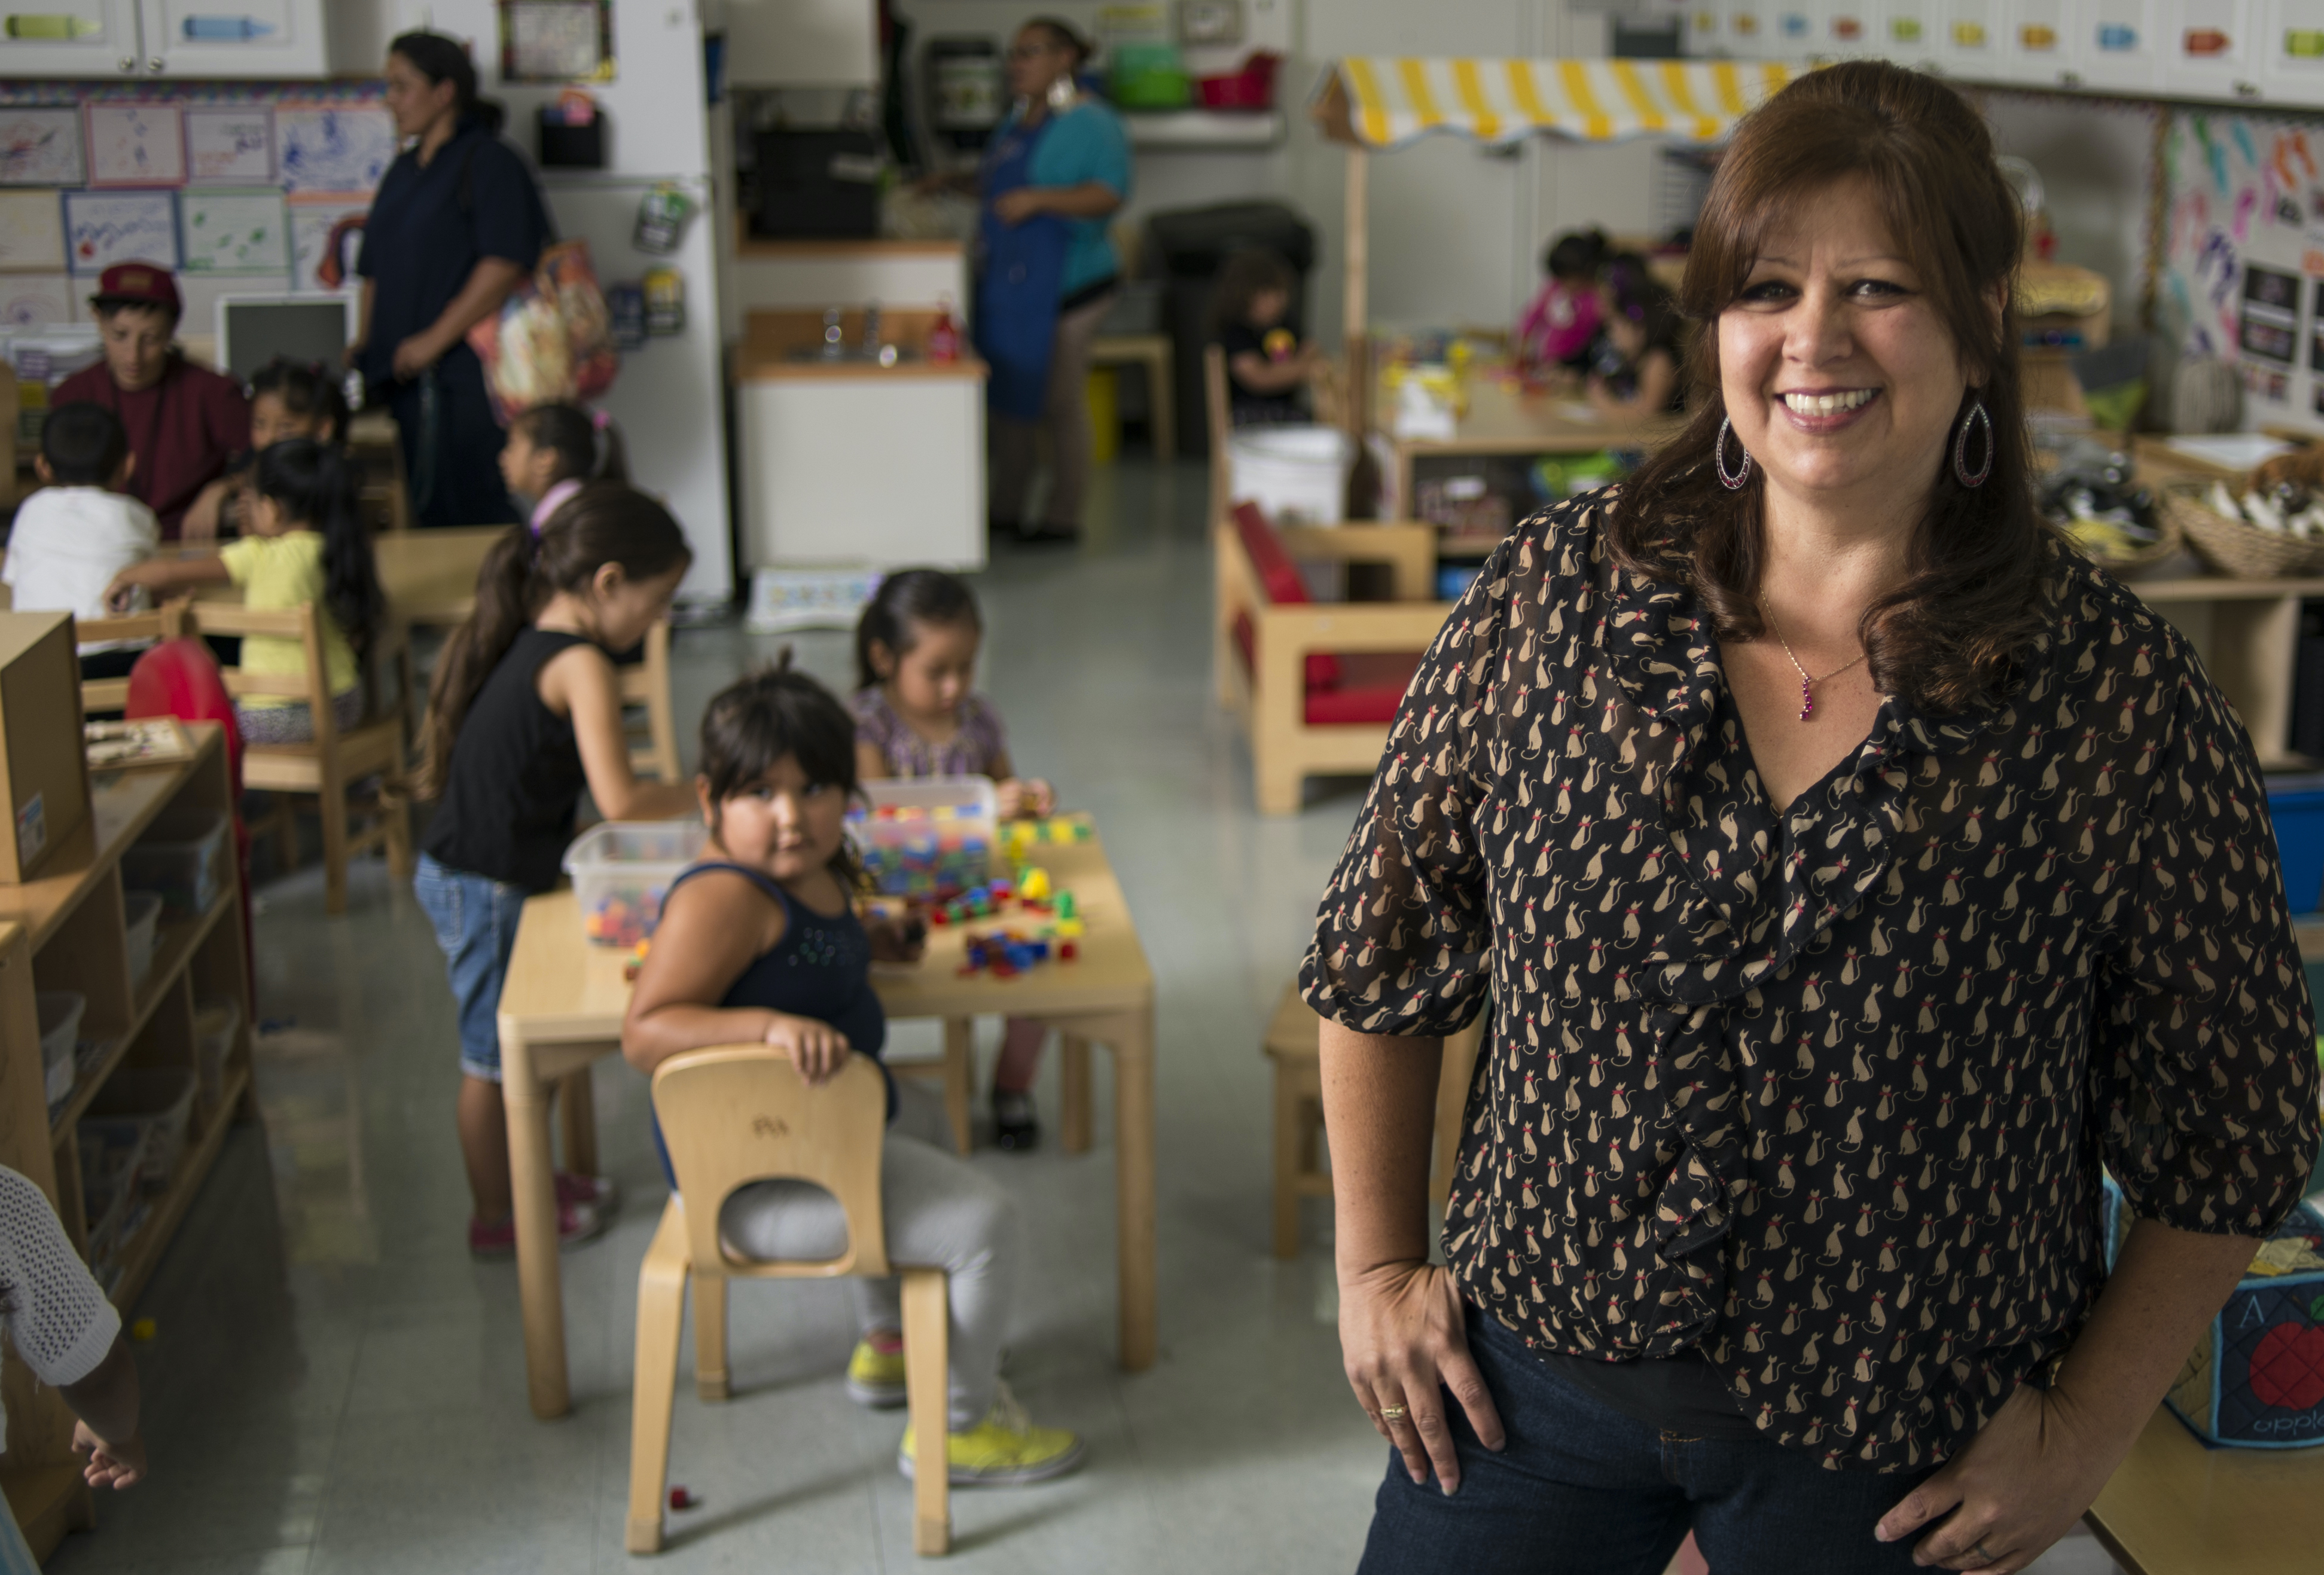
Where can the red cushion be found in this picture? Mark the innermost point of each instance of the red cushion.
(1372, 688)
(1279, 577)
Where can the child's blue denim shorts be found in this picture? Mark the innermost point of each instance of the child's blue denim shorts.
(475, 921)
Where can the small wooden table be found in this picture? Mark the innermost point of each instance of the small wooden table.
(2174, 1508)
(1503, 419)
(430, 577)
(564, 1000)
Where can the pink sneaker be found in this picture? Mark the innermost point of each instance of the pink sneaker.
(601, 1193)
(576, 1223)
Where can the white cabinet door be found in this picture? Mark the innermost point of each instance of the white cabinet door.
(88, 38)
(2209, 49)
(1908, 32)
(2035, 42)
(2119, 44)
(233, 38)
(1969, 39)
(2291, 52)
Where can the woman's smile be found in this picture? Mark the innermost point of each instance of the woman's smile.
(1817, 410)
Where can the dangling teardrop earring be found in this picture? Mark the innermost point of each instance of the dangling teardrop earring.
(1062, 93)
(1731, 480)
(1961, 472)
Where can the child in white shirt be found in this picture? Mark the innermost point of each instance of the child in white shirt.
(80, 529)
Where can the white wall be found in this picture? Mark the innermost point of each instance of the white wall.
(2094, 156)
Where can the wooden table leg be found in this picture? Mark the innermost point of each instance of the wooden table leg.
(1133, 1143)
(959, 1076)
(531, 1174)
(1074, 1093)
(578, 1111)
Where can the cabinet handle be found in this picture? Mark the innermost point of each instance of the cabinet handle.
(2070, 78)
(128, 62)
(2247, 91)
(157, 64)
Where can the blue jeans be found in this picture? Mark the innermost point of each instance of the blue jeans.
(1582, 1489)
(475, 920)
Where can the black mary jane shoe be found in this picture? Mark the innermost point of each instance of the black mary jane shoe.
(1048, 534)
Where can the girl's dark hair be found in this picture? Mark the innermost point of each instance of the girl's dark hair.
(1243, 277)
(305, 388)
(445, 60)
(1062, 34)
(906, 602)
(777, 711)
(316, 485)
(1950, 636)
(1576, 255)
(585, 450)
(1644, 300)
(606, 522)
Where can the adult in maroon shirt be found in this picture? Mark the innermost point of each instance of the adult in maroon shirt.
(185, 422)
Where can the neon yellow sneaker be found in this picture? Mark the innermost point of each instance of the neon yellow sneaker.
(875, 1373)
(1003, 1451)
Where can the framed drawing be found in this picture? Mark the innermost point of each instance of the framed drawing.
(32, 233)
(106, 227)
(135, 144)
(232, 232)
(37, 300)
(333, 149)
(42, 147)
(324, 239)
(229, 145)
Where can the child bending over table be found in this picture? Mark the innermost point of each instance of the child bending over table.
(525, 712)
(917, 715)
(759, 941)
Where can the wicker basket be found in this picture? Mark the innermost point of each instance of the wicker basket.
(2168, 539)
(2235, 546)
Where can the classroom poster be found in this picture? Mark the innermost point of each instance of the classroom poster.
(233, 232)
(32, 233)
(325, 238)
(335, 150)
(229, 145)
(40, 147)
(36, 300)
(106, 227)
(135, 144)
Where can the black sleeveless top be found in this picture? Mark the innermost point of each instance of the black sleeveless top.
(515, 779)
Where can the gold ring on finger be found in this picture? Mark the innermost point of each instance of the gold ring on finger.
(1393, 1414)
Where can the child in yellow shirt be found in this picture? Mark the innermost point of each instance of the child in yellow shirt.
(306, 543)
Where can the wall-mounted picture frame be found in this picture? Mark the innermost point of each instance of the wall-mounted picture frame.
(135, 144)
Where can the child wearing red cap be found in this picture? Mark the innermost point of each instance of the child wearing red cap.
(185, 422)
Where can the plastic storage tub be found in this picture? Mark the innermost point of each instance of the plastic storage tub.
(143, 911)
(932, 837)
(161, 1101)
(215, 1023)
(1297, 475)
(182, 857)
(2296, 806)
(622, 870)
(61, 1013)
(110, 1152)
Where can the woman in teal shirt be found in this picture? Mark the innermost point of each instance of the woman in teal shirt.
(1057, 170)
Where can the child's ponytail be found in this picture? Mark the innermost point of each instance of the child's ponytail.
(317, 486)
(587, 443)
(606, 522)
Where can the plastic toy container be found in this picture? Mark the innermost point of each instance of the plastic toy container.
(215, 1023)
(1297, 475)
(59, 1013)
(932, 837)
(2296, 806)
(622, 870)
(182, 857)
(143, 913)
(160, 1100)
(110, 1153)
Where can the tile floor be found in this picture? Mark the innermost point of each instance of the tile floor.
(335, 1387)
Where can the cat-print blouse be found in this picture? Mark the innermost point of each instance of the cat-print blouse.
(1825, 1095)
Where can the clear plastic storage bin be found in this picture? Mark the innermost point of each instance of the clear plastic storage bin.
(143, 911)
(159, 1101)
(622, 870)
(182, 858)
(215, 1023)
(59, 1013)
(931, 837)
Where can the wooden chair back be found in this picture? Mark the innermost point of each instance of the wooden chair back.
(1219, 419)
(166, 622)
(653, 749)
(740, 1113)
(302, 623)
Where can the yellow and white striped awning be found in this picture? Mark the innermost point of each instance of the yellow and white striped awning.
(1379, 103)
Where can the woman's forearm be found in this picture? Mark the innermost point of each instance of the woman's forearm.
(489, 282)
(1089, 200)
(2167, 1283)
(1380, 1107)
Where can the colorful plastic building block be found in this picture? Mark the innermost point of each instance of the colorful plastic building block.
(1034, 886)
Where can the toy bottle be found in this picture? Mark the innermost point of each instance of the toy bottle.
(943, 340)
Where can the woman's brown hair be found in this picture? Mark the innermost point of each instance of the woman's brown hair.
(1949, 638)
(606, 522)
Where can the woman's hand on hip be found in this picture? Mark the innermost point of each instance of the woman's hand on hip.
(1401, 1337)
(415, 355)
(2017, 1486)
(1014, 205)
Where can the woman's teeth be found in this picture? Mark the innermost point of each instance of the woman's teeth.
(1830, 404)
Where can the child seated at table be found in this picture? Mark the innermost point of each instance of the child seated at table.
(524, 712)
(1559, 322)
(552, 450)
(306, 543)
(288, 398)
(81, 529)
(760, 943)
(917, 715)
(1268, 366)
(1634, 369)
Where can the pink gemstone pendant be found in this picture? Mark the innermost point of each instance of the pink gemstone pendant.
(1807, 701)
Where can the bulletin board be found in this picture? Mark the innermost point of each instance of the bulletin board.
(2240, 270)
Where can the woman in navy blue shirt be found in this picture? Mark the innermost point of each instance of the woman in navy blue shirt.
(456, 226)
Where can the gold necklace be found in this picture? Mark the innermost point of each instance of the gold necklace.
(1807, 685)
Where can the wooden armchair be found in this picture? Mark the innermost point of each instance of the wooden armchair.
(737, 1114)
(1316, 685)
(166, 622)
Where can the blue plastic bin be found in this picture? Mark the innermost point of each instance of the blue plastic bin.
(2296, 806)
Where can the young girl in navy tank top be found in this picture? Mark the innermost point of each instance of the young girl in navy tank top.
(524, 713)
(759, 941)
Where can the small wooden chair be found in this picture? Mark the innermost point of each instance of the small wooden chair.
(654, 748)
(1293, 1043)
(163, 622)
(740, 1113)
(327, 768)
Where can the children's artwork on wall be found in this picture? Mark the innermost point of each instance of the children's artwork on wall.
(136, 144)
(106, 227)
(333, 149)
(324, 239)
(37, 300)
(557, 41)
(40, 147)
(229, 145)
(32, 233)
(233, 232)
